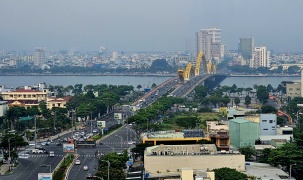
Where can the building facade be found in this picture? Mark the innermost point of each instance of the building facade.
(260, 58)
(268, 124)
(166, 160)
(209, 42)
(243, 132)
(39, 57)
(246, 47)
(24, 97)
(3, 108)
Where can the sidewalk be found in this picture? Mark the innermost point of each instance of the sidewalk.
(57, 135)
(4, 168)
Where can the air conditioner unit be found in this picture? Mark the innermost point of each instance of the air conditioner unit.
(178, 170)
(158, 171)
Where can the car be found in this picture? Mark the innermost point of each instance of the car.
(89, 176)
(85, 168)
(78, 162)
(51, 154)
(100, 143)
(95, 131)
(58, 144)
(43, 143)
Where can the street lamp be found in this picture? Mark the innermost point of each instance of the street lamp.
(9, 151)
(290, 166)
(108, 164)
(110, 147)
(121, 141)
(46, 165)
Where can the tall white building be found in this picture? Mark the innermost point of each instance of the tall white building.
(39, 57)
(260, 58)
(209, 41)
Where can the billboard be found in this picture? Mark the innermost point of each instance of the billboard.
(44, 176)
(118, 116)
(101, 124)
(68, 148)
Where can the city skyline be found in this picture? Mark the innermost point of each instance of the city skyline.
(146, 26)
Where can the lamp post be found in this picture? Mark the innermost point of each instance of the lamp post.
(290, 166)
(108, 164)
(298, 118)
(35, 119)
(9, 152)
(46, 165)
(111, 147)
(121, 141)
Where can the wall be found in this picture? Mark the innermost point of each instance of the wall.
(163, 163)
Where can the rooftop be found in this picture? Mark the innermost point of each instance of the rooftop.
(265, 171)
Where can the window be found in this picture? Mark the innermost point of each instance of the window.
(264, 120)
(265, 129)
(270, 121)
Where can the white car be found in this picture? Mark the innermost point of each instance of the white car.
(85, 168)
(78, 162)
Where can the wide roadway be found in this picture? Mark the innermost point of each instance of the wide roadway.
(110, 143)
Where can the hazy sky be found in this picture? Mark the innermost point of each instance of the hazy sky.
(147, 25)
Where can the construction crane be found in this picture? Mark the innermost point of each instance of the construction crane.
(281, 113)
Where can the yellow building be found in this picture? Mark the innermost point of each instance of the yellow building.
(24, 97)
(57, 102)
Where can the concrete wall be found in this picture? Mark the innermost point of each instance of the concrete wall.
(153, 164)
(268, 124)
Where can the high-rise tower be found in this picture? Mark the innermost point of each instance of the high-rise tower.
(39, 57)
(246, 47)
(209, 41)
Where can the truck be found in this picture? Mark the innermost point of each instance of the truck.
(87, 144)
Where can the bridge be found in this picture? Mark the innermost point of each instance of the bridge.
(185, 83)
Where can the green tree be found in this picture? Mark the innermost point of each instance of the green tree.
(262, 94)
(237, 101)
(228, 174)
(139, 87)
(247, 100)
(264, 155)
(153, 85)
(248, 151)
(268, 109)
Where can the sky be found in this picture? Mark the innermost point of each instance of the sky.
(147, 25)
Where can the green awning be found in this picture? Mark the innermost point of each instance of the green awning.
(28, 118)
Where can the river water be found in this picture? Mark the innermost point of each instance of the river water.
(144, 81)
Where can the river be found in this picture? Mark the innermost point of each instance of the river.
(144, 81)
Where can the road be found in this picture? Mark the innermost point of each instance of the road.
(111, 143)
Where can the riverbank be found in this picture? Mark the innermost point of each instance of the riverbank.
(93, 74)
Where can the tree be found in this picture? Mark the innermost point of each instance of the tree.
(262, 94)
(139, 87)
(228, 174)
(268, 109)
(263, 157)
(247, 100)
(248, 151)
(153, 85)
(286, 155)
(237, 101)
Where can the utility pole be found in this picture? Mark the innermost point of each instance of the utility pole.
(35, 131)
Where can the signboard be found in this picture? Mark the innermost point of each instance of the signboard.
(118, 116)
(44, 176)
(68, 148)
(101, 124)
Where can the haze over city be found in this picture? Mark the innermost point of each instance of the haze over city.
(134, 25)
